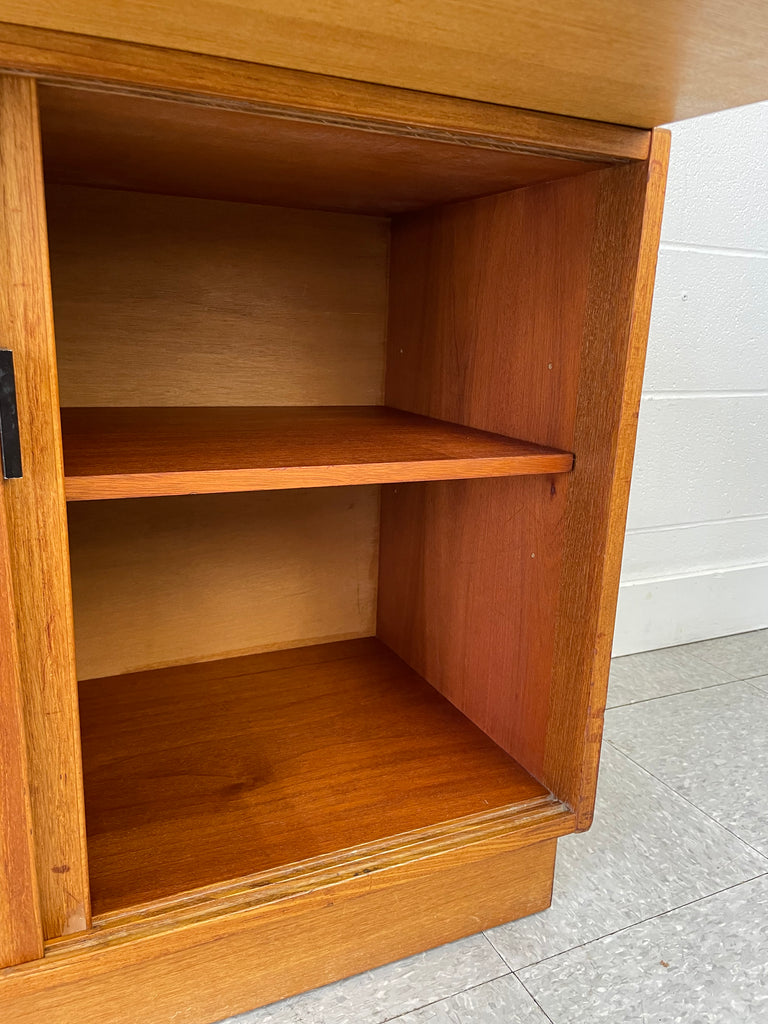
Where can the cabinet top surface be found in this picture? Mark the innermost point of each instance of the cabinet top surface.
(634, 62)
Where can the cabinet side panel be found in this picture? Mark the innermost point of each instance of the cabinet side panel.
(21, 936)
(487, 307)
(37, 531)
(623, 266)
(468, 596)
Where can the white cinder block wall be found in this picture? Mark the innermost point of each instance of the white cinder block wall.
(696, 552)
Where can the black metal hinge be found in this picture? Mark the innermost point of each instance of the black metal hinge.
(10, 446)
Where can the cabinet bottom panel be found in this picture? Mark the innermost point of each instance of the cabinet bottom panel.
(205, 773)
(218, 968)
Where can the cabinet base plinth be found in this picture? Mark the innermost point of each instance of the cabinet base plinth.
(225, 966)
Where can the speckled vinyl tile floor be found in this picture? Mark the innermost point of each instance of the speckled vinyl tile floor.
(660, 912)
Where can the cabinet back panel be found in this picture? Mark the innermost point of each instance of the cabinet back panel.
(162, 581)
(162, 300)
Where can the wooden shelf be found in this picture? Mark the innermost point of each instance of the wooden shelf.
(213, 771)
(140, 452)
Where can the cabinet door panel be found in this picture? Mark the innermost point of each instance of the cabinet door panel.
(20, 929)
(37, 559)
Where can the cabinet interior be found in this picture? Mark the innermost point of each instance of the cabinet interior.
(305, 626)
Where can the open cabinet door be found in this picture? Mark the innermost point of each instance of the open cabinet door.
(34, 563)
(21, 936)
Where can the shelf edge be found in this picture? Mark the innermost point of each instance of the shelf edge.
(145, 485)
(506, 829)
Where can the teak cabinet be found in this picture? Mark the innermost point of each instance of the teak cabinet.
(326, 395)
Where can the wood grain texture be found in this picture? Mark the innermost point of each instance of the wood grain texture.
(487, 305)
(150, 145)
(486, 300)
(176, 580)
(506, 828)
(201, 773)
(623, 265)
(166, 301)
(36, 515)
(332, 931)
(628, 62)
(124, 453)
(108, 64)
(466, 596)
(21, 931)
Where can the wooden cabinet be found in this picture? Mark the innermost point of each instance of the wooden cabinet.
(327, 396)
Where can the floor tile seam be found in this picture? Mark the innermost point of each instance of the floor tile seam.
(683, 649)
(676, 693)
(712, 664)
(503, 963)
(757, 675)
(515, 974)
(533, 997)
(687, 800)
(509, 973)
(636, 924)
